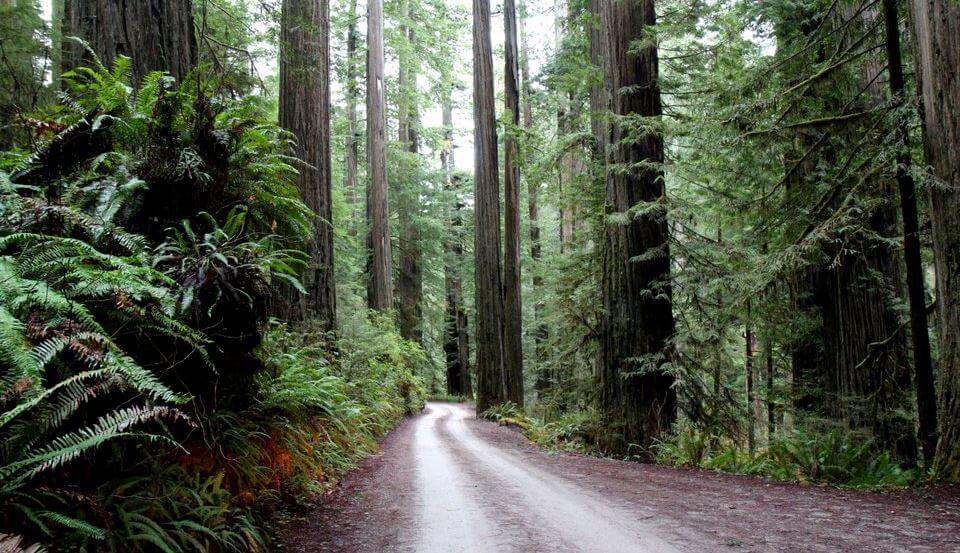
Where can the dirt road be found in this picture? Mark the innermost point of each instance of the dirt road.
(446, 482)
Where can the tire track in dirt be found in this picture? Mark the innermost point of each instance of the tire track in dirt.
(446, 482)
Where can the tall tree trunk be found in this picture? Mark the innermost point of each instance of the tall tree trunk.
(838, 373)
(719, 334)
(305, 111)
(157, 34)
(455, 343)
(542, 332)
(352, 154)
(410, 277)
(771, 404)
(491, 381)
(936, 29)
(749, 350)
(637, 399)
(56, 39)
(573, 161)
(380, 262)
(512, 311)
(573, 166)
(460, 322)
(923, 364)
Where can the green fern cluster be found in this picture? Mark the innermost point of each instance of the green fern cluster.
(172, 509)
(101, 321)
(221, 262)
(62, 302)
(839, 457)
(146, 158)
(145, 405)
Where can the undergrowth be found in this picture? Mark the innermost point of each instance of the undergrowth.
(147, 403)
(573, 431)
(837, 457)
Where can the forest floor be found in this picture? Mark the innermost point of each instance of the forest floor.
(446, 482)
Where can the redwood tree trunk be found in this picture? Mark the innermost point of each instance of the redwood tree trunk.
(922, 361)
(749, 373)
(838, 371)
(380, 262)
(936, 27)
(305, 111)
(491, 384)
(410, 277)
(157, 34)
(542, 333)
(573, 164)
(352, 154)
(455, 341)
(512, 312)
(637, 399)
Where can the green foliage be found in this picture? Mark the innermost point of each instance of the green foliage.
(508, 414)
(838, 457)
(22, 37)
(173, 509)
(223, 264)
(63, 306)
(574, 431)
(145, 402)
(372, 352)
(449, 398)
(208, 153)
(315, 413)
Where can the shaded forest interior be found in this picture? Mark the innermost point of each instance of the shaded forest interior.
(240, 240)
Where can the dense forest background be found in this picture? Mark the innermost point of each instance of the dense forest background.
(239, 240)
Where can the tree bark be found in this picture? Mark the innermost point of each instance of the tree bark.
(512, 311)
(572, 168)
(936, 29)
(838, 373)
(380, 262)
(491, 377)
(637, 399)
(922, 360)
(458, 338)
(749, 351)
(573, 160)
(305, 111)
(542, 332)
(352, 154)
(157, 34)
(771, 404)
(455, 345)
(410, 277)
(57, 27)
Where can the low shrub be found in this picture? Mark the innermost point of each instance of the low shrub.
(838, 457)
(572, 432)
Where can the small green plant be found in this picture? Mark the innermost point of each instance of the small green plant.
(508, 414)
(174, 509)
(451, 398)
(224, 264)
(573, 431)
(689, 446)
(838, 456)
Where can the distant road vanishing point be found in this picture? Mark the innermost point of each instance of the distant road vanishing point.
(446, 482)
